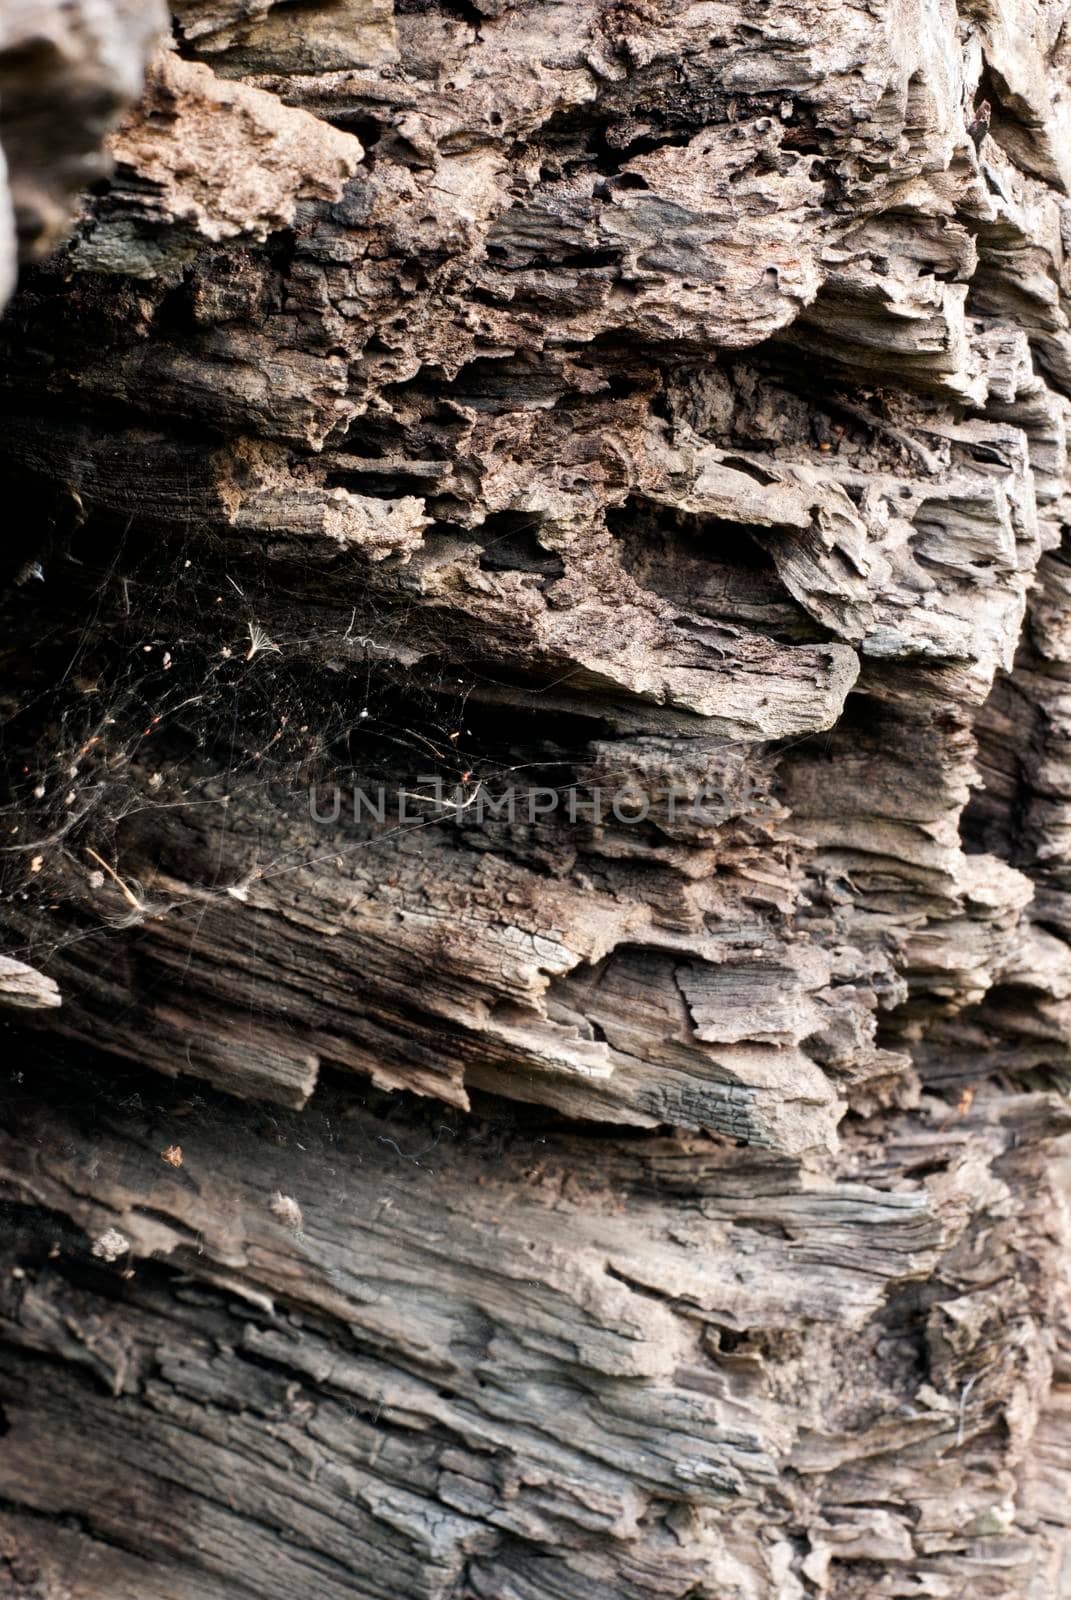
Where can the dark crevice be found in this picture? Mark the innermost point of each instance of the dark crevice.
(509, 542)
(708, 568)
(387, 483)
(363, 127)
(462, 10)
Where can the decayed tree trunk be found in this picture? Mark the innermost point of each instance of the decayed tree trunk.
(617, 1153)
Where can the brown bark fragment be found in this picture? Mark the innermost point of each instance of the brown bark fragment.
(630, 441)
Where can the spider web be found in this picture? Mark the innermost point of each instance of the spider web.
(142, 666)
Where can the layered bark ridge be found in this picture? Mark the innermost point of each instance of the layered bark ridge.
(632, 437)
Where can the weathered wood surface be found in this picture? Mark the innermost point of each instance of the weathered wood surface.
(664, 401)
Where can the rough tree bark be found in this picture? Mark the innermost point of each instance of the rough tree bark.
(537, 399)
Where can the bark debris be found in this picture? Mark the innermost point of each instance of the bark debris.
(633, 438)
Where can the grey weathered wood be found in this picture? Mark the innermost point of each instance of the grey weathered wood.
(666, 401)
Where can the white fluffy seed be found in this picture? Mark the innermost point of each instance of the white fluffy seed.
(111, 1245)
(286, 1208)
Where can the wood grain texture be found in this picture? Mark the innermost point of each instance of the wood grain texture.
(630, 440)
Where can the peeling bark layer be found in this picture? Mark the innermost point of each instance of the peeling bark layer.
(626, 444)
